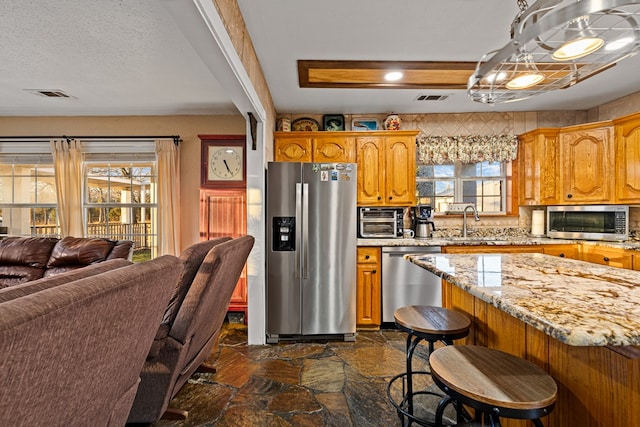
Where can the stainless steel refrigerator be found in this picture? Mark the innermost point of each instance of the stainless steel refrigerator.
(311, 250)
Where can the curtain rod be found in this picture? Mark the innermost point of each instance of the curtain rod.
(176, 138)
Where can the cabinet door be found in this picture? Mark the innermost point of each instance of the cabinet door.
(483, 249)
(368, 290)
(224, 213)
(400, 169)
(627, 149)
(607, 256)
(371, 180)
(528, 170)
(334, 149)
(563, 251)
(292, 149)
(586, 156)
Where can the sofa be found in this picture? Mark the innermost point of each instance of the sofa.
(190, 328)
(23, 259)
(73, 345)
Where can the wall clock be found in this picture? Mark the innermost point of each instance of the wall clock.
(223, 164)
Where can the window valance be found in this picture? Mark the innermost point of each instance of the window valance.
(467, 149)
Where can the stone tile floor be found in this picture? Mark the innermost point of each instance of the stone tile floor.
(311, 383)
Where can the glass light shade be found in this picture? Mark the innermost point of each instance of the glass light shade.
(526, 73)
(577, 48)
(524, 80)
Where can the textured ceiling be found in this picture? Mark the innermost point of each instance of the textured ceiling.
(119, 57)
(130, 57)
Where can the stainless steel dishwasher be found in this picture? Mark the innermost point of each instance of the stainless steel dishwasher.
(404, 283)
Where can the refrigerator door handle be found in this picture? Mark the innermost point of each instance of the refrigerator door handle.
(305, 231)
(297, 230)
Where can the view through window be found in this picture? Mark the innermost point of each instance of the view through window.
(120, 203)
(28, 203)
(482, 183)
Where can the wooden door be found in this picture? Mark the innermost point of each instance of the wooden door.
(368, 290)
(371, 179)
(400, 170)
(528, 169)
(334, 148)
(224, 213)
(586, 156)
(627, 159)
(292, 149)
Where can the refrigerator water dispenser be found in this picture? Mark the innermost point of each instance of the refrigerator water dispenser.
(284, 233)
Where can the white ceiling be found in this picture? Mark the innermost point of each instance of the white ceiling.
(137, 57)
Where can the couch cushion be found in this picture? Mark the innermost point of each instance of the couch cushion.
(122, 249)
(191, 259)
(23, 259)
(23, 289)
(78, 251)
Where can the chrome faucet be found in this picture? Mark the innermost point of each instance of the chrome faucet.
(464, 218)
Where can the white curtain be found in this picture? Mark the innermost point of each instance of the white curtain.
(168, 158)
(67, 161)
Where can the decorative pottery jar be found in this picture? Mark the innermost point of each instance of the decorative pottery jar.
(392, 122)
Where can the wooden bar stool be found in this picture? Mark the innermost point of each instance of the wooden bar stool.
(423, 323)
(495, 384)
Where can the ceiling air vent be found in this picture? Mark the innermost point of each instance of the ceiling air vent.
(432, 97)
(49, 93)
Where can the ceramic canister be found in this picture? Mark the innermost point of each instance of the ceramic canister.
(392, 122)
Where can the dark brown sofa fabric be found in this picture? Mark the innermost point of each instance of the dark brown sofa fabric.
(27, 288)
(72, 354)
(194, 330)
(23, 259)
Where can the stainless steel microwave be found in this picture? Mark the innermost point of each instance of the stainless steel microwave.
(588, 222)
(380, 222)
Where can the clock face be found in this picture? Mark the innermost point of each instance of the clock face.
(225, 163)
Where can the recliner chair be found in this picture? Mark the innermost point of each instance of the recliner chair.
(194, 331)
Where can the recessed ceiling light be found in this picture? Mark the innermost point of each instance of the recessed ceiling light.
(393, 76)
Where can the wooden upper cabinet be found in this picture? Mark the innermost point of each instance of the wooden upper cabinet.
(537, 167)
(370, 156)
(400, 170)
(314, 147)
(292, 149)
(334, 148)
(387, 168)
(586, 159)
(627, 159)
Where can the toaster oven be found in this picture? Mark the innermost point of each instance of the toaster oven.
(380, 223)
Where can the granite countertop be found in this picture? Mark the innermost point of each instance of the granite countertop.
(575, 302)
(494, 241)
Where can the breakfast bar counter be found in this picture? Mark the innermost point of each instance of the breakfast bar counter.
(575, 302)
(577, 320)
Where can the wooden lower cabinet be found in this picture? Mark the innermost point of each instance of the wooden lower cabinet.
(570, 251)
(597, 386)
(613, 257)
(368, 290)
(485, 249)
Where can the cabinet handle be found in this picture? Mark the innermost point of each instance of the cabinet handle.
(561, 255)
(606, 259)
(390, 198)
(367, 256)
(374, 271)
(379, 198)
(569, 196)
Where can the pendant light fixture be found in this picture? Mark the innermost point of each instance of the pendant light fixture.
(581, 41)
(556, 43)
(526, 73)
